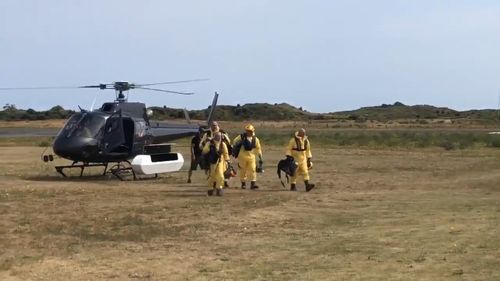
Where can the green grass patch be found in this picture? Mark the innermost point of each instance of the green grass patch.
(448, 140)
(389, 139)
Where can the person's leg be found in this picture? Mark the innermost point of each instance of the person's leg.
(219, 179)
(211, 181)
(252, 173)
(242, 171)
(305, 173)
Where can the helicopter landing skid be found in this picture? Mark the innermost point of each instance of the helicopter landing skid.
(124, 168)
(60, 169)
(121, 169)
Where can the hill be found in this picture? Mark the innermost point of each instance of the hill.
(398, 111)
(286, 112)
(252, 111)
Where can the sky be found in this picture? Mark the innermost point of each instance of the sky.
(322, 55)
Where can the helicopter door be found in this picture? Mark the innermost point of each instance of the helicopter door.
(114, 136)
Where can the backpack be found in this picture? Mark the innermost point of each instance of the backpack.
(212, 155)
(247, 145)
(288, 166)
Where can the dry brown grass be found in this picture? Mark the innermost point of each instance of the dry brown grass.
(32, 124)
(376, 215)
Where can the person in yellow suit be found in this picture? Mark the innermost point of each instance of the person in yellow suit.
(208, 135)
(246, 147)
(216, 151)
(299, 147)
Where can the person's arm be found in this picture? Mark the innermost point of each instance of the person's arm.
(309, 154)
(206, 148)
(308, 150)
(236, 140)
(258, 148)
(225, 153)
(203, 140)
(289, 148)
(192, 148)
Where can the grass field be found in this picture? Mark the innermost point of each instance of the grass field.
(377, 214)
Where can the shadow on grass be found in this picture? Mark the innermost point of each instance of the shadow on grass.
(84, 178)
(70, 178)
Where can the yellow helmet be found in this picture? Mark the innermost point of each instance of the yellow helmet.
(249, 127)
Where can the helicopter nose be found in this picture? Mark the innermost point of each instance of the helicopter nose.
(75, 148)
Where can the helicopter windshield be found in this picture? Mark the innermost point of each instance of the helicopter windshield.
(84, 125)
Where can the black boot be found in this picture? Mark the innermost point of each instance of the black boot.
(219, 192)
(293, 187)
(309, 186)
(210, 192)
(226, 185)
(243, 185)
(253, 185)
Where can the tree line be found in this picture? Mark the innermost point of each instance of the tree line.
(11, 113)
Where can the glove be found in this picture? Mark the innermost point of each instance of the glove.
(259, 168)
(309, 163)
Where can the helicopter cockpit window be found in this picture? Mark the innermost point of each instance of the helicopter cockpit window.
(108, 107)
(84, 125)
(70, 124)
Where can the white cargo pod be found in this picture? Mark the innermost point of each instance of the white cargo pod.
(157, 163)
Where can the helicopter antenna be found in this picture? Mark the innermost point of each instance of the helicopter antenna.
(186, 115)
(498, 108)
(93, 104)
(212, 109)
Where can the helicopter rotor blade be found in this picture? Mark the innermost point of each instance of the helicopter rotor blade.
(165, 91)
(100, 86)
(173, 82)
(39, 88)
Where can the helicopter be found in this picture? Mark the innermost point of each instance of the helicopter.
(121, 133)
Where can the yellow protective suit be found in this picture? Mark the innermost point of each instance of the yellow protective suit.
(216, 174)
(300, 149)
(246, 158)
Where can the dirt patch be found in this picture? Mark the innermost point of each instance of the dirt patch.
(375, 215)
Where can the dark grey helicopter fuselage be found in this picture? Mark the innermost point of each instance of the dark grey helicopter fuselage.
(116, 132)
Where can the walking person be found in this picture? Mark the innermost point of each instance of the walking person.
(246, 147)
(299, 149)
(195, 155)
(217, 154)
(208, 135)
